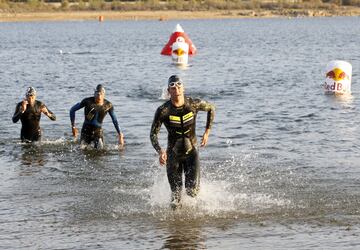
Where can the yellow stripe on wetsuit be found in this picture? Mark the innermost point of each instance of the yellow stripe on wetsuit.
(188, 117)
(180, 133)
(176, 119)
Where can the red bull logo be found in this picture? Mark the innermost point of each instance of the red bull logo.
(179, 52)
(337, 74)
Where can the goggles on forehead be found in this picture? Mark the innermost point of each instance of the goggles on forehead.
(173, 84)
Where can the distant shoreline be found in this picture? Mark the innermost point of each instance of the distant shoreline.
(171, 15)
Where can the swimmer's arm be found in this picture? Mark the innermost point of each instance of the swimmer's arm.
(205, 138)
(210, 108)
(73, 109)
(17, 114)
(155, 129)
(117, 127)
(48, 113)
(114, 120)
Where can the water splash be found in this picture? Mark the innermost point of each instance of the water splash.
(59, 141)
(217, 198)
(165, 94)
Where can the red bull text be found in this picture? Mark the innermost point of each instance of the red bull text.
(336, 86)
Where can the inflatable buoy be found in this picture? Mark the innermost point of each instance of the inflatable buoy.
(179, 46)
(180, 51)
(338, 78)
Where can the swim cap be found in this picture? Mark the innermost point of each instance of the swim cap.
(100, 89)
(174, 79)
(30, 91)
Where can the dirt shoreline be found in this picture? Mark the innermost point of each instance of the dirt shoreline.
(168, 15)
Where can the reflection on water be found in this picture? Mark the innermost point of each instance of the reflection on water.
(32, 155)
(345, 100)
(182, 66)
(184, 235)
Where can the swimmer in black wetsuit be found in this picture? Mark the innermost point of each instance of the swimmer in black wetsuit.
(95, 111)
(179, 117)
(29, 113)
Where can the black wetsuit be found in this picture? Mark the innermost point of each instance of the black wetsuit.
(94, 115)
(30, 120)
(182, 153)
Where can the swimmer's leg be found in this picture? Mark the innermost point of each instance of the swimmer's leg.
(30, 135)
(85, 138)
(98, 139)
(174, 174)
(99, 143)
(192, 174)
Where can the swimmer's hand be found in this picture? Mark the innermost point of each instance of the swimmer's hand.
(162, 157)
(205, 138)
(23, 105)
(74, 131)
(121, 141)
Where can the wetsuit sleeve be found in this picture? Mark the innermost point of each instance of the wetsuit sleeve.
(17, 113)
(206, 106)
(50, 114)
(73, 109)
(155, 128)
(114, 120)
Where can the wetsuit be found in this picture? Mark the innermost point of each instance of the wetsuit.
(30, 120)
(94, 115)
(181, 150)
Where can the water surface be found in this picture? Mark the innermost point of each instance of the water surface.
(281, 169)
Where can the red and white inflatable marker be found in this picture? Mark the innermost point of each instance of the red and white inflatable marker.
(179, 46)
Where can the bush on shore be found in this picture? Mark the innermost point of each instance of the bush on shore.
(180, 5)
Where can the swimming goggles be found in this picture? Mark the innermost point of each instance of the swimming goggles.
(173, 84)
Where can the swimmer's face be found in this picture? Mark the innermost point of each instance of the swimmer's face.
(176, 90)
(99, 96)
(31, 98)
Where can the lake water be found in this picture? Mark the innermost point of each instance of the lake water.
(281, 170)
